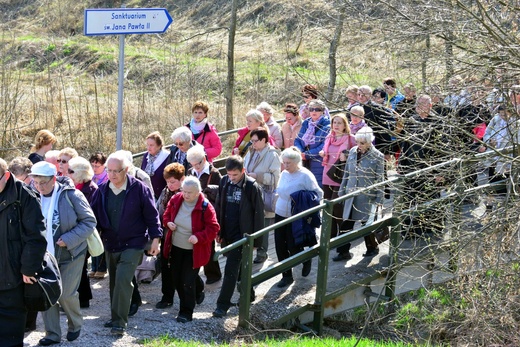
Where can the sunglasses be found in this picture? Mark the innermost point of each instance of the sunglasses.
(178, 144)
(62, 161)
(312, 109)
(70, 171)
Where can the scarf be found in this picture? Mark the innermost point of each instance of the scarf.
(166, 197)
(52, 219)
(101, 178)
(354, 128)
(309, 137)
(332, 140)
(154, 161)
(197, 128)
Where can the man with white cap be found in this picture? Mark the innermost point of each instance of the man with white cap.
(69, 222)
(22, 246)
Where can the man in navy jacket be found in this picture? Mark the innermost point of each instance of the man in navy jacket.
(127, 219)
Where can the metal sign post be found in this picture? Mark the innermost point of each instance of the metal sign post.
(124, 21)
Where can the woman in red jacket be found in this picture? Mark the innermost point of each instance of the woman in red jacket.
(192, 225)
(203, 131)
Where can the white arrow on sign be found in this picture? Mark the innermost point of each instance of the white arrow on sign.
(121, 21)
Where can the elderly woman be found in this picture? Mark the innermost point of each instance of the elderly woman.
(274, 128)
(293, 179)
(70, 221)
(81, 173)
(203, 131)
(174, 175)
(292, 125)
(357, 119)
(155, 161)
(209, 178)
(365, 167)
(310, 93)
(263, 164)
(311, 139)
(254, 119)
(65, 155)
(20, 167)
(98, 161)
(43, 142)
(337, 144)
(352, 96)
(182, 142)
(192, 226)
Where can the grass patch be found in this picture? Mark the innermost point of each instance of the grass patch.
(291, 342)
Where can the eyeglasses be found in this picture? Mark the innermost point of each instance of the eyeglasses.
(62, 161)
(115, 171)
(96, 166)
(255, 141)
(178, 144)
(41, 183)
(70, 171)
(312, 109)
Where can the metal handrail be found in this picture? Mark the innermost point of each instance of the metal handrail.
(323, 248)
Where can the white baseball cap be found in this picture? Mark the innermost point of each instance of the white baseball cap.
(43, 168)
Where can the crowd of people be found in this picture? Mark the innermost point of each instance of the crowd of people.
(177, 205)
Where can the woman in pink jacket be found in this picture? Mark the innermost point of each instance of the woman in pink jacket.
(203, 131)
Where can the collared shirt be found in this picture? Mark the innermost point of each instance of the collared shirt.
(116, 190)
(205, 170)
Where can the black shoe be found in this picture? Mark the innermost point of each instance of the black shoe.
(342, 257)
(213, 280)
(71, 336)
(260, 260)
(47, 342)
(183, 319)
(371, 252)
(306, 270)
(219, 313)
(117, 331)
(199, 298)
(286, 281)
(163, 304)
(109, 324)
(133, 309)
(84, 304)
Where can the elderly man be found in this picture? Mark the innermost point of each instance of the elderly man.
(423, 145)
(23, 245)
(69, 222)
(127, 220)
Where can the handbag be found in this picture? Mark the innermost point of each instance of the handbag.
(46, 292)
(94, 244)
(270, 198)
(335, 172)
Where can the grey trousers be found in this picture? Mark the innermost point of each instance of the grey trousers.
(262, 251)
(121, 268)
(70, 269)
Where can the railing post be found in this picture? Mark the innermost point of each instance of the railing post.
(395, 241)
(245, 282)
(323, 268)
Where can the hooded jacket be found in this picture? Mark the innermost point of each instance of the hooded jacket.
(204, 226)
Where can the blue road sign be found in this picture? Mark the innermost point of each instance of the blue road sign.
(121, 21)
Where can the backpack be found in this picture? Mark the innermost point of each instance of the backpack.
(46, 292)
